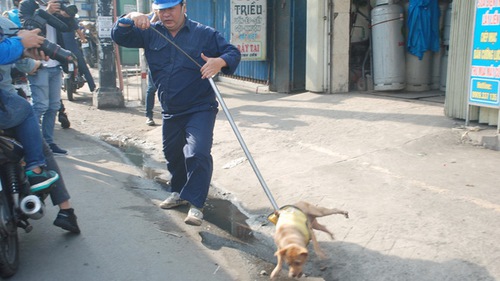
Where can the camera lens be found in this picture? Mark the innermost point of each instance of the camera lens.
(56, 52)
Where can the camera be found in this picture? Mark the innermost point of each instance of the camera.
(65, 6)
(71, 10)
(39, 20)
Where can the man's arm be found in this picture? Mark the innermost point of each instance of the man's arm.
(125, 33)
(13, 48)
(229, 53)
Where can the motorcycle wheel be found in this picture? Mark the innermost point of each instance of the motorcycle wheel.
(9, 240)
(70, 88)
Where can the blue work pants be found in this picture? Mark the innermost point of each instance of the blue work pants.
(187, 145)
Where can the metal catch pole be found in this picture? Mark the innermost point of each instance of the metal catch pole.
(243, 145)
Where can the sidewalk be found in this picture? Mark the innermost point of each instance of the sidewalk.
(421, 192)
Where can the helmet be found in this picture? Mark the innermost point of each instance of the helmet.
(165, 4)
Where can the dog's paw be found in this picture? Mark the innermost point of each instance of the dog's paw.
(346, 214)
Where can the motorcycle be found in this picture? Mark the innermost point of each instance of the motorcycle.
(73, 80)
(89, 48)
(17, 203)
(20, 82)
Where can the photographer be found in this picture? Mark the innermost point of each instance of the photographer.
(46, 83)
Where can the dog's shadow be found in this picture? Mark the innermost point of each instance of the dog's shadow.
(351, 262)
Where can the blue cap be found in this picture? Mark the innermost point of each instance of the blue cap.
(165, 4)
(9, 28)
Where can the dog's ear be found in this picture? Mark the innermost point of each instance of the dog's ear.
(294, 251)
(303, 252)
(281, 252)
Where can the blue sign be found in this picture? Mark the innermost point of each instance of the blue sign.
(86, 7)
(485, 68)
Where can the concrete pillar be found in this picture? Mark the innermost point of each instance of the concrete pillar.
(340, 44)
(317, 56)
(328, 43)
(108, 95)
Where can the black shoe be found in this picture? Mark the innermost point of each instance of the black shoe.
(63, 119)
(56, 149)
(66, 219)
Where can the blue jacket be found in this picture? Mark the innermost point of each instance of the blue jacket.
(11, 49)
(178, 79)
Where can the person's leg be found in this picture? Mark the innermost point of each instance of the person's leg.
(49, 118)
(173, 144)
(197, 152)
(63, 117)
(59, 195)
(84, 69)
(54, 102)
(150, 100)
(150, 96)
(18, 115)
(28, 133)
(39, 85)
(13, 110)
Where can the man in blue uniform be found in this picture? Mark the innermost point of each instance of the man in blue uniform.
(189, 105)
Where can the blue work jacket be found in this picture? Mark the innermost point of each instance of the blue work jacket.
(178, 79)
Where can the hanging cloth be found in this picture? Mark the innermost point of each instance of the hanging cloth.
(423, 27)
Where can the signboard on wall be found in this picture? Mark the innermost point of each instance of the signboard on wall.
(248, 28)
(484, 85)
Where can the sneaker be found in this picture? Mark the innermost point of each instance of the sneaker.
(56, 149)
(174, 200)
(66, 219)
(41, 181)
(150, 122)
(194, 217)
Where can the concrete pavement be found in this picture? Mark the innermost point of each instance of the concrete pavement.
(422, 193)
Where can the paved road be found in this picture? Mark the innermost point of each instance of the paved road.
(125, 236)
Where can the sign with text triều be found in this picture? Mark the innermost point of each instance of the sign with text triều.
(248, 28)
